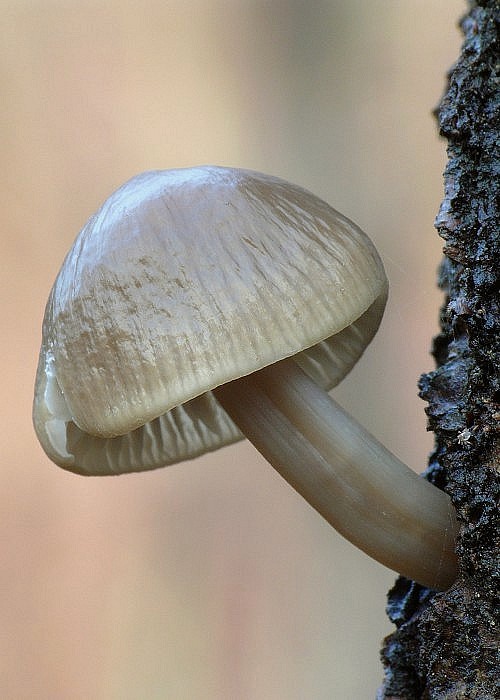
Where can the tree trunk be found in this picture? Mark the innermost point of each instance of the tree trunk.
(446, 645)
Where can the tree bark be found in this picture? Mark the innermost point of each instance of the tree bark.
(446, 645)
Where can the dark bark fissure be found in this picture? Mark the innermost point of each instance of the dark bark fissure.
(446, 645)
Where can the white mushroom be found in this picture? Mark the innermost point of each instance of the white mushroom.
(202, 304)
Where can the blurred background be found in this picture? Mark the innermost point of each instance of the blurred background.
(211, 580)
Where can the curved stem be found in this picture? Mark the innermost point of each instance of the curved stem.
(352, 480)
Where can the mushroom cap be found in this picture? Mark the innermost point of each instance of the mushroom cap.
(182, 281)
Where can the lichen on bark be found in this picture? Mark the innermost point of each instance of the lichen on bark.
(446, 644)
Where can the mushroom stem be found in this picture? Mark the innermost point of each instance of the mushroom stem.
(353, 481)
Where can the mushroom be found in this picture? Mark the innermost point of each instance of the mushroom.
(202, 305)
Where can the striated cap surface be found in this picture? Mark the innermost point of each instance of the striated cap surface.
(182, 281)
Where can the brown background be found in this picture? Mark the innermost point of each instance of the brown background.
(211, 580)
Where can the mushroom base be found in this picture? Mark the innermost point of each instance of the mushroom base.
(367, 494)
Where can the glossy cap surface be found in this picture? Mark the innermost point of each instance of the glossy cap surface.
(182, 281)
